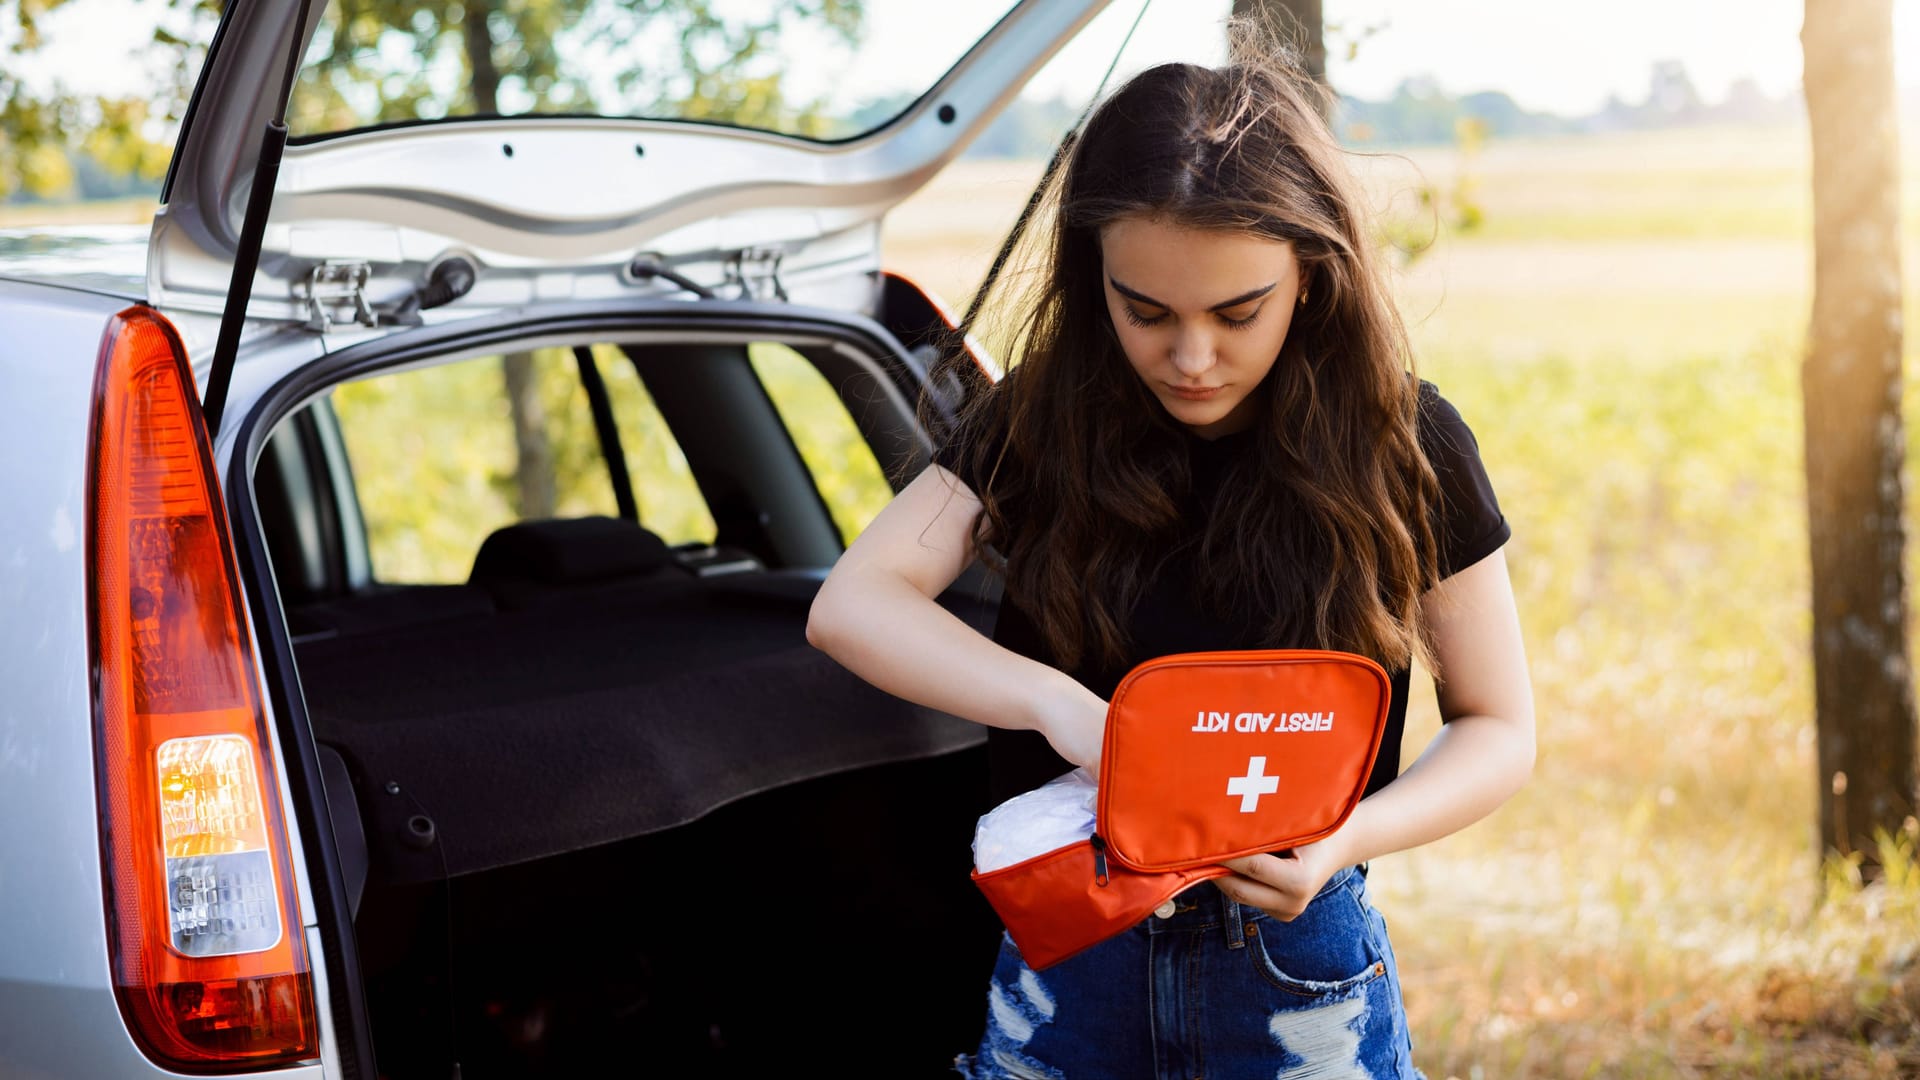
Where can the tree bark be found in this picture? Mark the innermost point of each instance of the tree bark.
(534, 474)
(1855, 439)
(479, 43)
(1295, 21)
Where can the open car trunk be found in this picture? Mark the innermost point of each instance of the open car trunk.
(617, 811)
(677, 834)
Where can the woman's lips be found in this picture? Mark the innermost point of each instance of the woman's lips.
(1193, 394)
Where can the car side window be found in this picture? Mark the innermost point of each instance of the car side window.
(663, 485)
(844, 467)
(443, 456)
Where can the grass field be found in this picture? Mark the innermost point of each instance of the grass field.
(1623, 333)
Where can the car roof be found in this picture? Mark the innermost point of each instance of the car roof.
(106, 259)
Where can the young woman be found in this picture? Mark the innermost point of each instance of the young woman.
(1212, 438)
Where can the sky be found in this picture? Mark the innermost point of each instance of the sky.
(1542, 54)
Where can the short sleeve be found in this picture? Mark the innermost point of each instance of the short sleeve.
(1468, 523)
(963, 451)
(953, 456)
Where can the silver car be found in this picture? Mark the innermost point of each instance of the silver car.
(586, 803)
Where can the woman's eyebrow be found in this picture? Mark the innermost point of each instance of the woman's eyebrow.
(1253, 294)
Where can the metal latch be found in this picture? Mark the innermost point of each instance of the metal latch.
(756, 271)
(330, 284)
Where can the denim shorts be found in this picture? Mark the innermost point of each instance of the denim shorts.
(1216, 990)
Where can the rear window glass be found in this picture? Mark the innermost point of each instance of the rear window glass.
(844, 468)
(820, 69)
(441, 458)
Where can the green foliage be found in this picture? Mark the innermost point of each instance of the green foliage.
(32, 132)
(1344, 39)
(379, 61)
(423, 455)
(433, 455)
(43, 130)
(1419, 112)
(434, 459)
(1412, 236)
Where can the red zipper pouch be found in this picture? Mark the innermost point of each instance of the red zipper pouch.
(1207, 756)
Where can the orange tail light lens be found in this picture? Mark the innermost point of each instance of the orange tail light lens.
(209, 958)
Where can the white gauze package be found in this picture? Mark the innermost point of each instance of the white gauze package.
(1053, 815)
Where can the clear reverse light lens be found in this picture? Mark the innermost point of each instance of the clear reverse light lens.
(220, 889)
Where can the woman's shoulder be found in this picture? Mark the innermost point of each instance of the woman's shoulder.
(1471, 522)
(975, 436)
(1439, 423)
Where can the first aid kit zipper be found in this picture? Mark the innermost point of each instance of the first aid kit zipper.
(1099, 860)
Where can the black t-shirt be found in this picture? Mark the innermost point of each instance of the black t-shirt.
(1167, 619)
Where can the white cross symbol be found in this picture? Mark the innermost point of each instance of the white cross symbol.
(1253, 785)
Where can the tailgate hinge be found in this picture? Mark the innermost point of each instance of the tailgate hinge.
(333, 283)
(756, 271)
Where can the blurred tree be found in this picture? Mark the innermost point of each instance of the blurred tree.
(379, 61)
(713, 77)
(1299, 23)
(44, 130)
(1855, 439)
(1670, 89)
(374, 61)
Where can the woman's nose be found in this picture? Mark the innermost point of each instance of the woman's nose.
(1193, 353)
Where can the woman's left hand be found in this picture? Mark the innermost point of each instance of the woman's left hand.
(1283, 885)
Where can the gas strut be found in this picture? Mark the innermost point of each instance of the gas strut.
(246, 255)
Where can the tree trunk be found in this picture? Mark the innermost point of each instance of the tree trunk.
(1855, 441)
(535, 456)
(533, 470)
(1296, 21)
(479, 42)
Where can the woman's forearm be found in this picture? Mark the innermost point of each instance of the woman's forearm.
(1472, 766)
(883, 629)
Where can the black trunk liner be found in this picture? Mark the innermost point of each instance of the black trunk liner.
(617, 714)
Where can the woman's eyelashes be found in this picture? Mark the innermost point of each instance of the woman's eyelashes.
(1242, 324)
(1140, 320)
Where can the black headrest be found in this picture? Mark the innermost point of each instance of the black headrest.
(563, 551)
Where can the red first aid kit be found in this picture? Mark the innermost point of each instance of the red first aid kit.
(1207, 756)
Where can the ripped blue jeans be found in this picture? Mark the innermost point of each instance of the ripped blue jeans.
(1216, 990)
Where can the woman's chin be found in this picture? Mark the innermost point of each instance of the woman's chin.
(1196, 413)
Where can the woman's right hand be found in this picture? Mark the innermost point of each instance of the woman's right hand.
(1075, 724)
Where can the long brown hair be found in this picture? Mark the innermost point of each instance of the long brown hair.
(1322, 529)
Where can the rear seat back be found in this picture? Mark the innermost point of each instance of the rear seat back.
(531, 563)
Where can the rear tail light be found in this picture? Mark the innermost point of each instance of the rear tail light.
(209, 961)
(982, 359)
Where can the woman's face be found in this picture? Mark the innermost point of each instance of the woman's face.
(1200, 313)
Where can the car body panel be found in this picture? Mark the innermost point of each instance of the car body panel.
(58, 1013)
(106, 259)
(712, 202)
